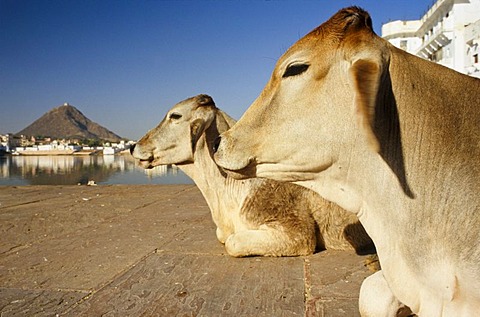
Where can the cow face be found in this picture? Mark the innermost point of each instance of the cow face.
(318, 102)
(173, 141)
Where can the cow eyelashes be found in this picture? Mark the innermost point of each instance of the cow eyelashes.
(175, 116)
(295, 69)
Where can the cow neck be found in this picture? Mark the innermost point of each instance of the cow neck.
(224, 195)
(362, 183)
(437, 131)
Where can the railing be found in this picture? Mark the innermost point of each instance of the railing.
(435, 5)
(434, 43)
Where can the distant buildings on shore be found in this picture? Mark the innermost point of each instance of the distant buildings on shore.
(74, 169)
(448, 34)
(30, 145)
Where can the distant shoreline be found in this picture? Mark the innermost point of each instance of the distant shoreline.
(63, 153)
(46, 152)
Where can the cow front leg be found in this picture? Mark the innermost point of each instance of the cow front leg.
(268, 241)
(222, 236)
(377, 300)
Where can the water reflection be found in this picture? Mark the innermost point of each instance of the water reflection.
(72, 169)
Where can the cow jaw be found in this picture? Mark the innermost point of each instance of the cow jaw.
(149, 156)
(287, 172)
(243, 163)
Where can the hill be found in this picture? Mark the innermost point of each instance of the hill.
(68, 122)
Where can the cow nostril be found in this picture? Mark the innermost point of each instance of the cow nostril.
(132, 148)
(216, 144)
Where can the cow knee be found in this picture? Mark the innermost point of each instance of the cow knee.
(376, 299)
(266, 242)
(221, 235)
(234, 246)
(252, 242)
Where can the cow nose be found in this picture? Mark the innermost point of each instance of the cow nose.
(132, 148)
(216, 144)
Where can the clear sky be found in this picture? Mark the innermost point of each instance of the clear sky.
(125, 63)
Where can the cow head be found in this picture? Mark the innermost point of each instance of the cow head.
(174, 140)
(319, 100)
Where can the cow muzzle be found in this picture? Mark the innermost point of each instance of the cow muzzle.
(132, 149)
(234, 162)
(145, 161)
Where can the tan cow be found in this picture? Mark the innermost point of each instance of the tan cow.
(386, 135)
(253, 217)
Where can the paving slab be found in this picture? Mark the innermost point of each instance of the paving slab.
(333, 280)
(150, 250)
(167, 284)
(54, 211)
(103, 243)
(18, 302)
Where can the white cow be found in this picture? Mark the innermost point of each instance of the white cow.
(388, 136)
(253, 217)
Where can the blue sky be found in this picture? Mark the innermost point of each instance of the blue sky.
(125, 63)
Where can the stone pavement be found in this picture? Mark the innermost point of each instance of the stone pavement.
(150, 250)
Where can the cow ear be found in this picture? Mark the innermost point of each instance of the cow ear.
(224, 121)
(197, 127)
(365, 74)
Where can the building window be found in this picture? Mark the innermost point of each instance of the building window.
(475, 58)
(447, 53)
(403, 44)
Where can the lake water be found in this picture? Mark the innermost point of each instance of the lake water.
(75, 169)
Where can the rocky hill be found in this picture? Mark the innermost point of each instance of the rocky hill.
(68, 122)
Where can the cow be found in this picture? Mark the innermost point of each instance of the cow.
(388, 136)
(255, 216)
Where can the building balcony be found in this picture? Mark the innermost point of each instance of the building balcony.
(400, 29)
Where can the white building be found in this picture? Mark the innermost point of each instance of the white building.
(448, 33)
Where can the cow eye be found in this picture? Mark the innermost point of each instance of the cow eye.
(295, 69)
(175, 116)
